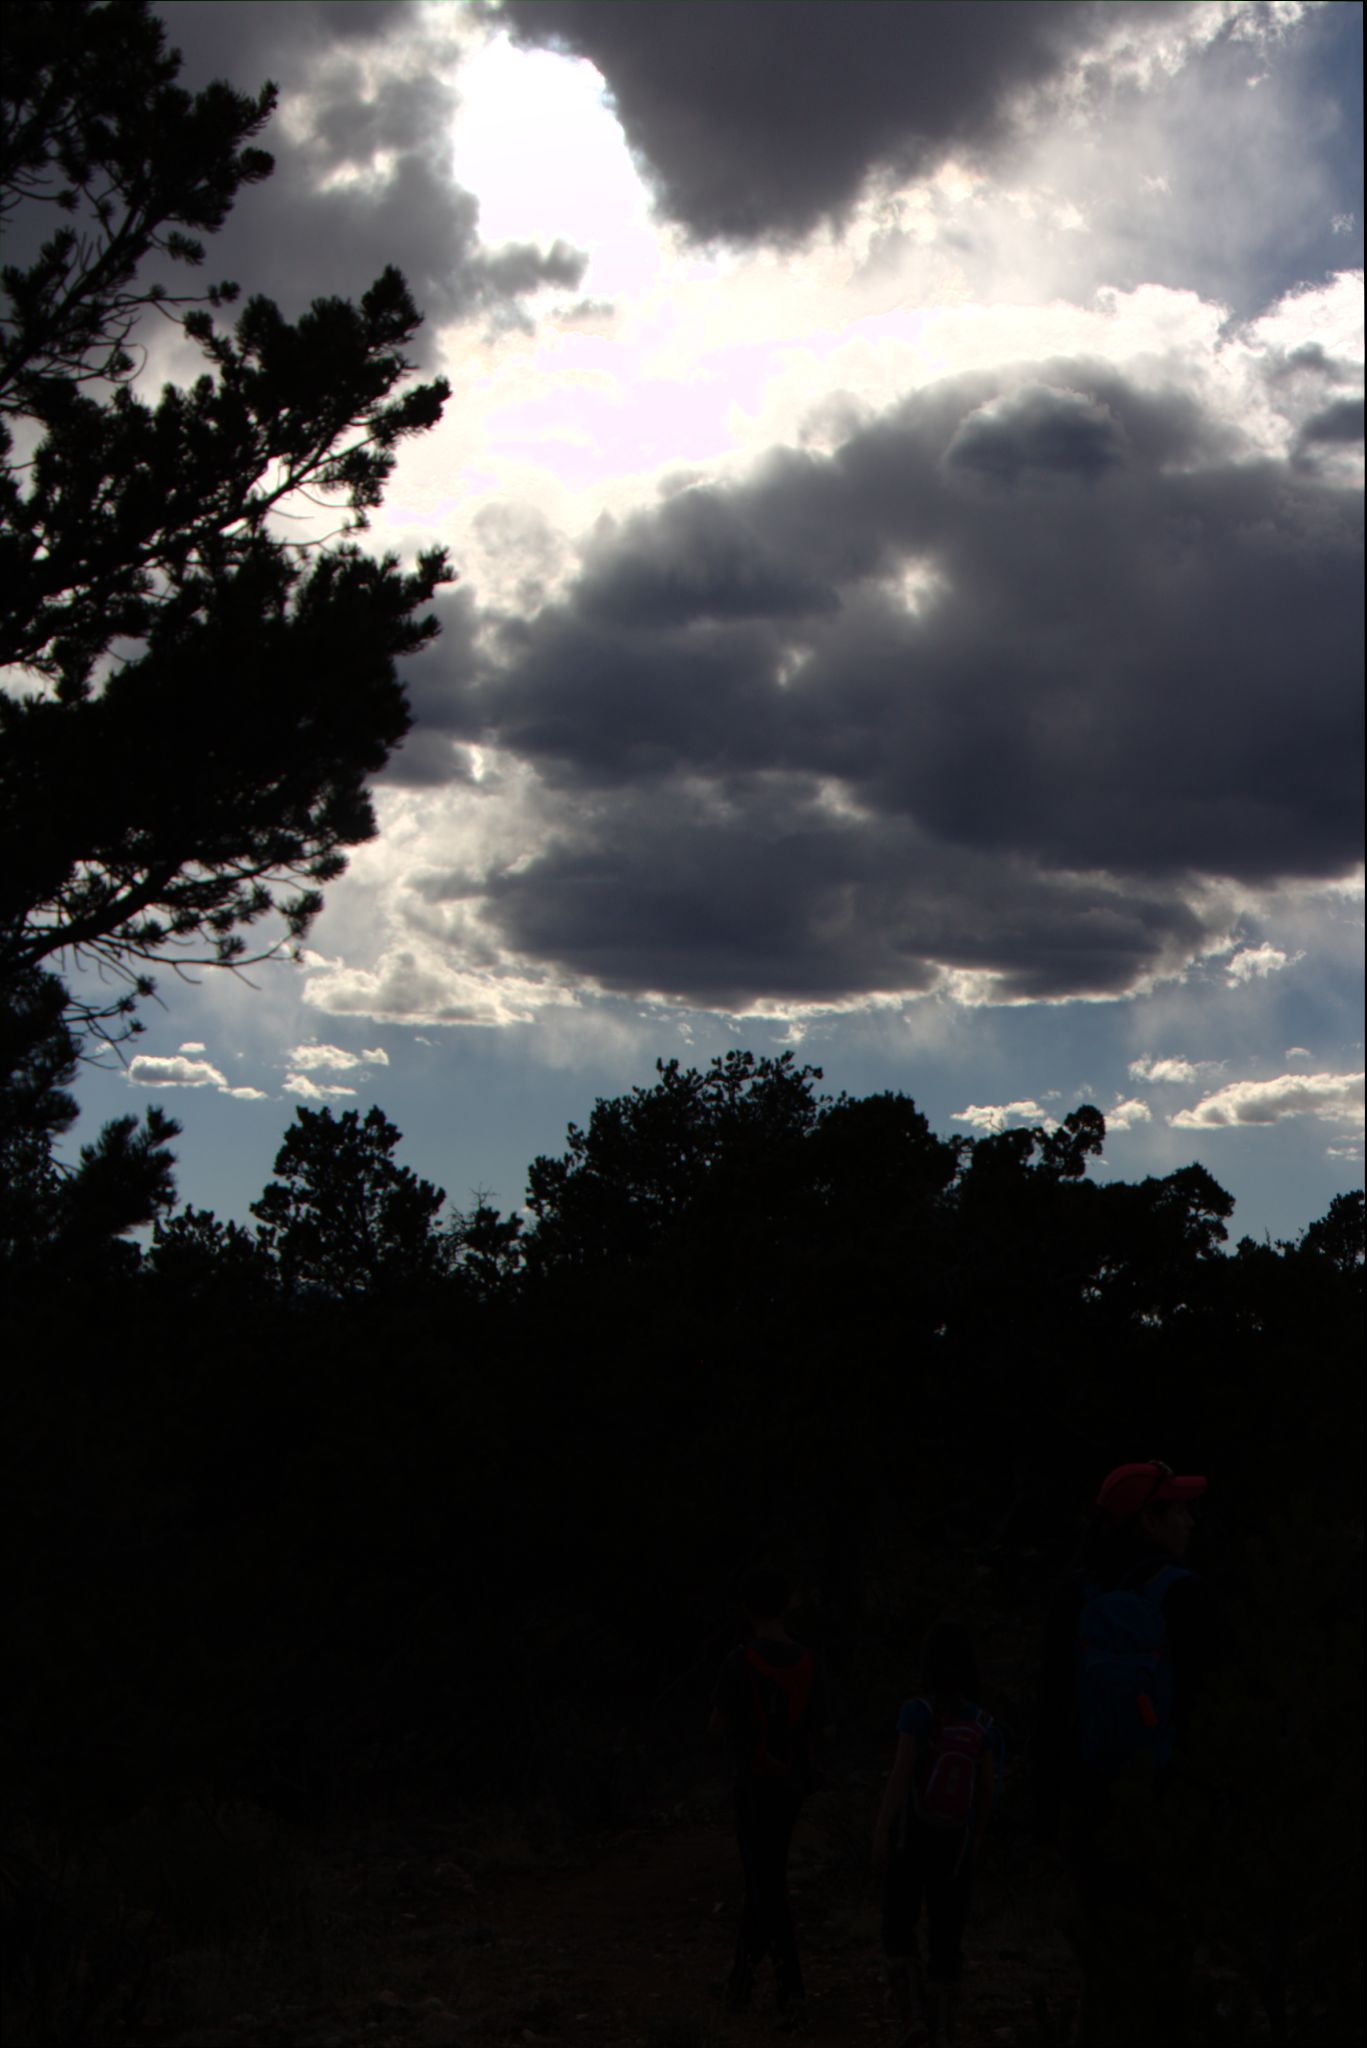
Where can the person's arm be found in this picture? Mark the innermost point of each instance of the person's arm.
(900, 1781)
(1197, 1643)
(823, 1719)
(727, 1702)
(984, 1798)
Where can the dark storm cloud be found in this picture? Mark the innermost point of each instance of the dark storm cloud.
(1311, 360)
(755, 891)
(697, 551)
(757, 121)
(431, 754)
(998, 685)
(367, 97)
(1340, 423)
(1034, 433)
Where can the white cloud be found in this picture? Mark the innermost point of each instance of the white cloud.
(997, 1116)
(314, 1091)
(147, 1070)
(1172, 1069)
(407, 986)
(151, 1070)
(1125, 1115)
(1334, 1098)
(308, 1058)
(1258, 960)
(1299, 1052)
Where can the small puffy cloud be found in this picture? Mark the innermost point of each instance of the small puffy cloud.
(997, 1116)
(193, 1045)
(1257, 961)
(1172, 1069)
(1125, 1115)
(309, 1058)
(147, 1070)
(150, 1070)
(1334, 1098)
(1299, 1052)
(314, 1091)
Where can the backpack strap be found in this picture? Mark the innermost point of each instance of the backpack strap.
(1158, 1587)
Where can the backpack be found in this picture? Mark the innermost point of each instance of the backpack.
(779, 1695)
(948, 1778)
(1124, 1675)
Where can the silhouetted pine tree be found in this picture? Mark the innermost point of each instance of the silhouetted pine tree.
(208, 699)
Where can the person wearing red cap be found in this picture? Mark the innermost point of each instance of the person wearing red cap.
(1141, 1526)
(1132, 1489)
(1126, 1646)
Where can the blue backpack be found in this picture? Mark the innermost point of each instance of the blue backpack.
(1124, 1675)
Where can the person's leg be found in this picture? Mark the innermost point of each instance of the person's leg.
(1089, 1878)
(901, 1904)
(751, 1941)
(1152, 1919)
(934, 1847)
(1136, 1949)
(782, 1931)
(903, 1892)
(949, 1884)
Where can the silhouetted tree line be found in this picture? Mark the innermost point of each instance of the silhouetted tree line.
(333, 1494)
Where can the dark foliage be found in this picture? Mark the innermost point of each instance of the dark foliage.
(56, 1219)
(463, 1504)
(208, 698)
(344, 1217)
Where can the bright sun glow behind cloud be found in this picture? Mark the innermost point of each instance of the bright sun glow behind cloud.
(535, 141)
(666, 358)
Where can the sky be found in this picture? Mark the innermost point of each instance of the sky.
(904, 470)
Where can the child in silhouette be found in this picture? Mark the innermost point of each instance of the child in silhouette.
(770, 1703)
(929, 1833)
(1126, 1822)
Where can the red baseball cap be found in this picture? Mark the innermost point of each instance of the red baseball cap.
(1131, 1487)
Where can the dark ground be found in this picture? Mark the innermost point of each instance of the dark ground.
(432, 1933)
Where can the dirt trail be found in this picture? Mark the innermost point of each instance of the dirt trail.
(620, 1949)
(615, 1945)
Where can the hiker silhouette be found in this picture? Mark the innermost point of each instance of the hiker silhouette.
(928, 1835)
(1128, 1643)
(771, 1704)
